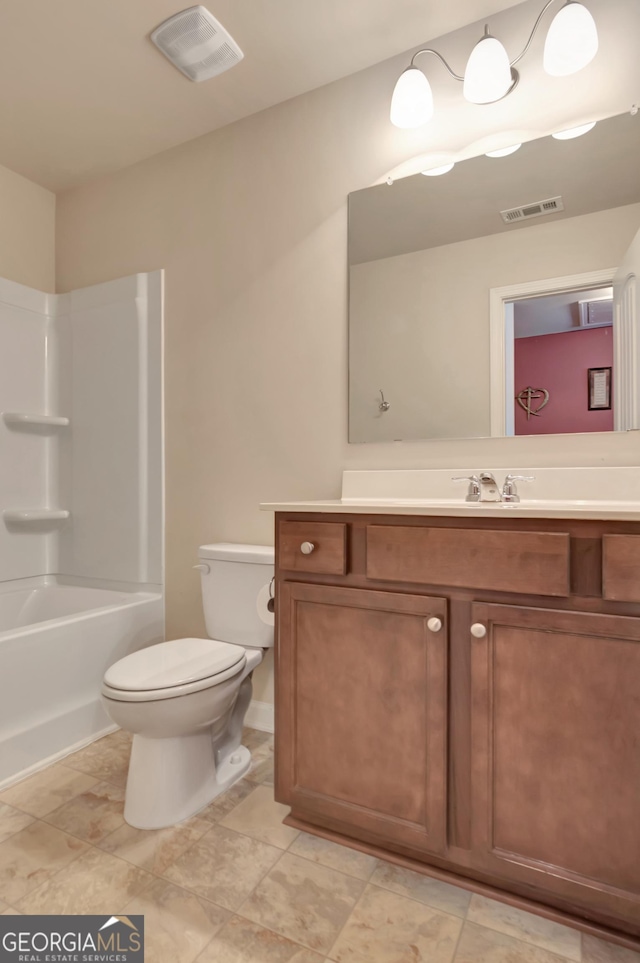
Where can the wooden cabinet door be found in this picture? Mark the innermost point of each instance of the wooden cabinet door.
(556, 754)
(361, 711)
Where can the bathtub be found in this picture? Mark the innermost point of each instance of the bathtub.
(56, 640)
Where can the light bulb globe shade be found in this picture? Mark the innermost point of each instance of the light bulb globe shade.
(436, 171)
(487, 76)
(412, 101)
(572, 41)
(504, 151)
(574, 131)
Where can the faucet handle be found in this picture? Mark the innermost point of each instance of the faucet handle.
(509, 489)
(473, 492)
(514, 478)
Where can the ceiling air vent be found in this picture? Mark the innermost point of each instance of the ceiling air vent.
(538, 209)
(197, 44)
(597, 313)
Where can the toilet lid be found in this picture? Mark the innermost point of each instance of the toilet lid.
(174, 663)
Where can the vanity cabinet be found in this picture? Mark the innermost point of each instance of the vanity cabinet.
(555, 768)
(363, 688)
(463, 695)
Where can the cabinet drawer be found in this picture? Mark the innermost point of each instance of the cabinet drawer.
(621, 568)
(328, 555)
(527, 563)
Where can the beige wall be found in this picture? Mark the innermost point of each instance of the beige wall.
(250, 224)
(27, 232)
(419, 322)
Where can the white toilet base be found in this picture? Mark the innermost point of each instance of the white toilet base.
(232, 768)
(172, 779)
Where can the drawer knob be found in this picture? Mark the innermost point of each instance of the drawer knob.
(307, 548)
(434, 625)
(478, 630)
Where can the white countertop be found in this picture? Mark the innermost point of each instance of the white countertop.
(587, 493)
(622, 511)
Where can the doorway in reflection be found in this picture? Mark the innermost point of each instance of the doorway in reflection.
(563, 354)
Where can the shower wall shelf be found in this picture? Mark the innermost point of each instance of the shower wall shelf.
(24, 516)
(18, 418)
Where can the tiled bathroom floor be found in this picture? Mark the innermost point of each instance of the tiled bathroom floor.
(233, 885)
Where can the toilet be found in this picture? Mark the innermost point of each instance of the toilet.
(185, 700)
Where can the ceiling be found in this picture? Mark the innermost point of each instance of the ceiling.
(84, 92)
(558, 313)
(595, 172)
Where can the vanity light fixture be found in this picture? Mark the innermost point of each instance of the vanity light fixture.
(574, 131)
(412, 101)
(436, 171)
(571, 44)
(572, 41)
(488, 76)
(503, 151)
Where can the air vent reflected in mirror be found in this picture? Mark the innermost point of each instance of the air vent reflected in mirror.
(552, 205)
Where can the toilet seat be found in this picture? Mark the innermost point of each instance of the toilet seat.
(170, 669)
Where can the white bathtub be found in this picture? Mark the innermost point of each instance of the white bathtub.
(56, 641)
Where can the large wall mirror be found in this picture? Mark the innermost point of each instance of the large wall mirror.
(498, 298)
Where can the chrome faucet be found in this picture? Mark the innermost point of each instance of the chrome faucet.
(484, 488)
(473, 491)
(509, 490)
(489, 491)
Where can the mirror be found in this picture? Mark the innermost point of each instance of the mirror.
(481, 301)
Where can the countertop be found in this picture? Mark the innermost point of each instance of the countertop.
(529, 508)
(607, 493)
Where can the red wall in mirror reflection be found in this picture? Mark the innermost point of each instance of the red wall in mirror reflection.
(559, 363)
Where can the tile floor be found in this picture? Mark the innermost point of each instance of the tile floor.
(233, 885)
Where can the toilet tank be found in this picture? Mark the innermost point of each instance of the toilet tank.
(235, 592)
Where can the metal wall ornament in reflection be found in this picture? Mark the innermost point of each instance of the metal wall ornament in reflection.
(528, 398)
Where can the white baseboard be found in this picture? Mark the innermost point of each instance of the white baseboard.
(260, 716)
(55, 757)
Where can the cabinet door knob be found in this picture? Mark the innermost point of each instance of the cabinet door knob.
(307, 548)
(478, 630)
(434, 624)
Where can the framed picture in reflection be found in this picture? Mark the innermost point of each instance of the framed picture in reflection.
(599, 387)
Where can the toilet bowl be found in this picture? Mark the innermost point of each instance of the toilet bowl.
(185, 700)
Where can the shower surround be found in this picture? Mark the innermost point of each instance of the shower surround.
(81, 505)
